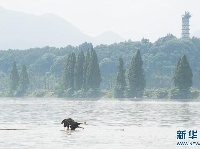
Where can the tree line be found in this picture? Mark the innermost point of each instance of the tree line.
(18, 82)
(81, 75)
(182, 79)
(159, 65)
(160, 59)
(136, 79)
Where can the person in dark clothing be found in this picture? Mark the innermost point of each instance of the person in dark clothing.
(71, 123)
(67, 122)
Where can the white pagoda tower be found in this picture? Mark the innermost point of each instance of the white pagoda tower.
(186, 25)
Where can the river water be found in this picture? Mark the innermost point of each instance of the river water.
(110, 123)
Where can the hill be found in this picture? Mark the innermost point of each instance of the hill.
(159, 59)
(22, 31)
(107, 38)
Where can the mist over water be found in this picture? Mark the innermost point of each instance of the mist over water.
(110, 123)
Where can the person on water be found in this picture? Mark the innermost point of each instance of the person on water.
(71, 123)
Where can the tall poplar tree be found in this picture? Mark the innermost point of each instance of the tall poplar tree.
(14, 78)
(79, 71)
(72, 68)
(183, 77)
(136, 77)
(183, 74)
(93, 72)
(68, 73)
(86, 66)
(66, 76)
(121, 81)
(24, 81)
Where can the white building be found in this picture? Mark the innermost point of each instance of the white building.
(186, 25)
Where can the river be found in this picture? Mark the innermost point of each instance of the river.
(35, 123)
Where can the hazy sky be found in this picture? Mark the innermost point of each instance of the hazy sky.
(129, 18)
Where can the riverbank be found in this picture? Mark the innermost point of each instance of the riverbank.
(148, 94)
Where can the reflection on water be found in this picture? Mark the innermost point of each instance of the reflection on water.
(110, 123)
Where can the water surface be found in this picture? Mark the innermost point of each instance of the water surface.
(110, 123)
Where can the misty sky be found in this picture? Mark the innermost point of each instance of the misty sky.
(129, 18)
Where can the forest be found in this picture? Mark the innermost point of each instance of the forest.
(45, 66)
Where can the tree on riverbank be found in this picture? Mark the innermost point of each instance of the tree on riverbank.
(93, 75)
(23, 82)
(81, 76)
(86, 65)
(14, 78)
(182, 78)
(68, 74)
(121, 81)
(78, 81)
(136, 77)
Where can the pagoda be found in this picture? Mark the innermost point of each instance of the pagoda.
(185, 25)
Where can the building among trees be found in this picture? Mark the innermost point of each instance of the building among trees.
(186, 25)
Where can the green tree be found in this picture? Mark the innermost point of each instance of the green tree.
(24, 81)
(68, 73)
(183, 74)
(86, 65)
(79, 70)
(136, 77)
(72, 68)
(183, 77)
(85, 46)
(121, 81)
(66, 78)
(93, 77)
(14, 78)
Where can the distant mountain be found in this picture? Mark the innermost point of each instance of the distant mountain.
(107, 38)
(22, 31)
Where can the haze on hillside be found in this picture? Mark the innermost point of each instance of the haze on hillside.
(35, 23)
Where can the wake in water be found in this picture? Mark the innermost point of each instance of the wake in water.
(13, 129)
